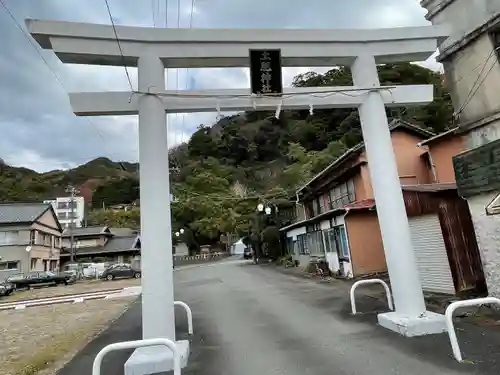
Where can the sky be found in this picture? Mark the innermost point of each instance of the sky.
(37, 127)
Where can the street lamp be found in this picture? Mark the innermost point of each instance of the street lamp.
(177, 234)
(182, 231)
(260, 207)
(268, 210)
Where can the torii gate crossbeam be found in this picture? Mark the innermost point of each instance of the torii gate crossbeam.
(153, 50)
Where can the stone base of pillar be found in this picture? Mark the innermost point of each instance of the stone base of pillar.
(155, 359)
(427, 324)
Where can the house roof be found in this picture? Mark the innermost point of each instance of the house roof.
(11, 213)
(438, 136)
(394, 125)
(87, 231)
(114, 245)
(360, 205)
(123, 231)
(429, 188)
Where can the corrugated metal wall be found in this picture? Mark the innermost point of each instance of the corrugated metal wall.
(458, 234)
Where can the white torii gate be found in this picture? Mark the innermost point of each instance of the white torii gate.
(153, 50)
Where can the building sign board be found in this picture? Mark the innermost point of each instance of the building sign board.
(478, 171)
(265, 72)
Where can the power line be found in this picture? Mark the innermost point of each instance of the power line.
(119, 44)
(153, 7)
(193, 2)
(31, 42)
(166, 13)
(475, 87)
(36, 48)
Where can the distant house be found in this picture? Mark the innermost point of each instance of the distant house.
(337, 219)
(30, 238)
(101, 244)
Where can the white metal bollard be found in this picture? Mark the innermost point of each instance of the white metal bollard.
(96, 367)
(370, 281)
(189, 314)
(449, 320)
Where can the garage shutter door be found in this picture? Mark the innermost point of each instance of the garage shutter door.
(430, 251)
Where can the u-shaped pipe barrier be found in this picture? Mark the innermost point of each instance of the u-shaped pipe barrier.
(370, 281)
(96, 367)
(189, 314)
(449, 320)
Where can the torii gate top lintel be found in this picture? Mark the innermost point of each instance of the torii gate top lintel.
(95, 44)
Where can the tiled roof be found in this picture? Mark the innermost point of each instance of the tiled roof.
(21, 212)
(86, 231)
(360, 205)
(114, 245)
(439, 136)
(429, 188)
(123, 231)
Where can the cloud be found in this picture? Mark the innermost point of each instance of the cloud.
(37, 126)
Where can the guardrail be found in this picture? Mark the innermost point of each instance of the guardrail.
(96, 366)
(189, 314)
(75, 298)
(370, 281)
(449, 320)
(199, 256)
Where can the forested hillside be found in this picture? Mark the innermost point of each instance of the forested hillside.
(226, 168)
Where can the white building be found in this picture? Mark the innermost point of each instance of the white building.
(65, 213)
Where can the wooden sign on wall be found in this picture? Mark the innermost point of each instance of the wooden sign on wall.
(478, 171)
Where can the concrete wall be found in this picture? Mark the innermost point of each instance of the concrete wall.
(13, 253)
(365, 243)
(411, 167)
(475, 58)
(464, 15)
(487, 230)
(442, 152)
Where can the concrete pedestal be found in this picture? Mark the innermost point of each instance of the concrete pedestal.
(155, 359)
(426, 324)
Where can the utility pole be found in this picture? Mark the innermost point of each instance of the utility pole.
(72, 191)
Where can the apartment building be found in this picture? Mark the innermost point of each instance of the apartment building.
(67, 212)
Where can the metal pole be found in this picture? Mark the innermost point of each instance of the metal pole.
(72, 191)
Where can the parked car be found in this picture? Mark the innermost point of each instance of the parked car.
(6, 288)
(247, 253)
(120, 271)
(30, 279)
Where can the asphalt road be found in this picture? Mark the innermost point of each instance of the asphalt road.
(252, 320)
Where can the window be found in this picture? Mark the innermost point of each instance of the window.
(315, 207)
(9, 238)
(62, 215)
(303, 244)
(32, 237)
(11, 265)
(33, 263)
(321, 204)
(342, 194)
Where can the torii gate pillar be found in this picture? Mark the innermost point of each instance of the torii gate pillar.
(410, 317)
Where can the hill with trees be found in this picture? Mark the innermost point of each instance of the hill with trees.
(225, 169)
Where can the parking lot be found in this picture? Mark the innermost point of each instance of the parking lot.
(78, 287)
